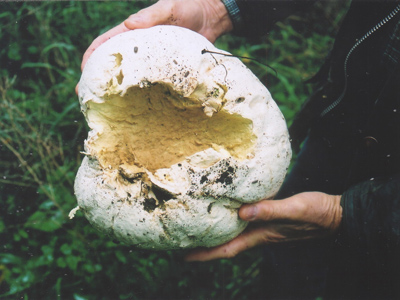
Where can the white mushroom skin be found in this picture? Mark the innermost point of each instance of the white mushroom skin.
(178, 140)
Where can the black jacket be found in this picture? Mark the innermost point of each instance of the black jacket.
(355, 111)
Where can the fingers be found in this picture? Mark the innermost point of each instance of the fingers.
(302, 216)
(101, 39)
(244, 241)
(319, 209)
(209, 18)
(264, 210)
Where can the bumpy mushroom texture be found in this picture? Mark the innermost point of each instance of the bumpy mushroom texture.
(178, 140)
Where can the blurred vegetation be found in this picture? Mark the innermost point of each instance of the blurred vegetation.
(43, 254)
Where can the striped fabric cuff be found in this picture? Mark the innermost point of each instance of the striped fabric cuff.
(234, 13)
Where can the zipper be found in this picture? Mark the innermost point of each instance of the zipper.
(365, 36)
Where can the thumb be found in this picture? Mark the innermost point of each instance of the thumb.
(157, 14)
(269, 210)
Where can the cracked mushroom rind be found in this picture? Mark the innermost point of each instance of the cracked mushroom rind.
(178, 140)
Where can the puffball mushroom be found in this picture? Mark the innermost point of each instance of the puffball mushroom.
(179, 139)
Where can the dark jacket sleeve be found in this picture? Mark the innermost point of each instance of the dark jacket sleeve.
(371, 219)
(258, 16)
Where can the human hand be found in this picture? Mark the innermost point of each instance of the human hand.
(303, 216)
(207, 17)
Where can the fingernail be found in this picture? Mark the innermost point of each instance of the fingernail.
(130, 22)
(133, 19)
(249, 212)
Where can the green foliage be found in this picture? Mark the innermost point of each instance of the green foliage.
(43, 254)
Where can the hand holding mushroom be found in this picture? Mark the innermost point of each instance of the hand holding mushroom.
(207, 17)
(302, 216)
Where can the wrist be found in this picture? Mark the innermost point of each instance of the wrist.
(337, 218)
(217, 18)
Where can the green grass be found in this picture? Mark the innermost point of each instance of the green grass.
(44, 255)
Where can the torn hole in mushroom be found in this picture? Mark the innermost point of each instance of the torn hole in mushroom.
(154, 128)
